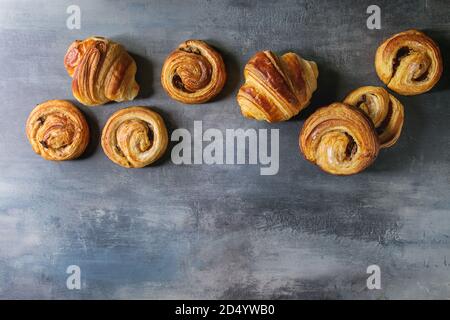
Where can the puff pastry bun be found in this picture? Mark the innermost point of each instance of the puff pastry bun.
(57, 130)
(193, 73)
(276, 88)
(340, 139)
(383, 108)
(102, 71)
(134, 137)
(409, 63)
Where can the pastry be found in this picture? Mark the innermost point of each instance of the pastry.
(102, 71)
(340, 139)
(409, 63)
(57, 130)
(193, 73)
(134, 137)
(276, 88)
(383, 108)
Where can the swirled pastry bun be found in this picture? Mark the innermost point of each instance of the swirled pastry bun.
(102, 71)
(57, 130)
(409, 63)
(134, 137)
(340, 139)
(385, 111)
(193, 73)
(276, 88)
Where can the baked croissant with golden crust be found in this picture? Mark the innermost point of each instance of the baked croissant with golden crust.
(385, 111)
(340, 139)
(102, 71)
(134, 137)
(409, 63)
(57, 130)
(193, 73)
(276, 88)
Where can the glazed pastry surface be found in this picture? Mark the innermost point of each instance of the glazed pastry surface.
(409, 63)
(276, 88)
(101, 71)
(340, 139)
(193, 73)
(57, 130)
(384, 109)
(134, 137)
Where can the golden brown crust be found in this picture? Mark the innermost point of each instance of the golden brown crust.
(134, 137)
(384, 109)
(276, 89)
(340, 139)
(409, 62)
(57, 130)
(102, 71)
(193, 73)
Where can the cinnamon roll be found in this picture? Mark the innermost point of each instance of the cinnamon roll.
(193, 73)
(276, 88)
(383, 108)
(409, 63)
(102, 71)
(340, 139)
(134, 137)
(57, 130)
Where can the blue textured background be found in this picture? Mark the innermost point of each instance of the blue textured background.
(203, 231)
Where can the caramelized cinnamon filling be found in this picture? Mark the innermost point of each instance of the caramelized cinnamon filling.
(362, 104)
(150, 135)
(41, 120)
(118, 150)
(352, 147)
(178, 83)
(401, 53)
(423, 77)
(189, 49)
(362, 100)
(386, 120)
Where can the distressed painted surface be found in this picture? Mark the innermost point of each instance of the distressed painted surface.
(203, 231)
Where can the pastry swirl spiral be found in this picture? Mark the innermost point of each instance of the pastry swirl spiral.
(409, 63)
(102, 71)
(340, 139)
(134, 137)
(384, 109)
(276, 88)
(57, 130)
(193, 73)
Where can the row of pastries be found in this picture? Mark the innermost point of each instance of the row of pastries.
(342, 138)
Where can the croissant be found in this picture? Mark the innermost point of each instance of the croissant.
(134, 137)
(340, 139)
(409, 63)
(57, 130)
(276, 89)
(193, 73)
(383, 108)
(102, 71)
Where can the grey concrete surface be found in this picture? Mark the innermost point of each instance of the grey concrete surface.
(199, 231)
